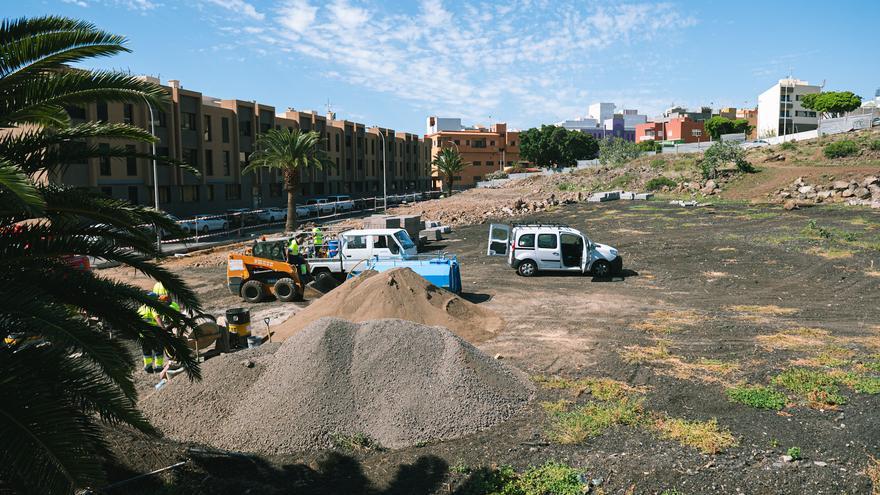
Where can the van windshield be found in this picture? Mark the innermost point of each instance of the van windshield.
(404, 239)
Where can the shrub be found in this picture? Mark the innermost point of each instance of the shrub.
(794, 453)
(658, 182)
(788, 145)
(724, 152)
(757, 396)
(616, 151)
(646, 145)
(840, 149)
(658, 163)
(498, 174)
(875, 145)
(552, 477)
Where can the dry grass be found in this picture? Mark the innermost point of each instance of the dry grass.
(706, 436)
(666, 321)
(725, 249)
(830, 253)
(704, 370)
(643, 354)
(600, 388)
(873, 473)
(769, 310)
(872, 273)
(800, 338)
(714, 275)
(576, 425)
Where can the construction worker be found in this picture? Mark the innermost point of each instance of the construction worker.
(159, 289)
(154, 355)
(318, 241)
(294, 257)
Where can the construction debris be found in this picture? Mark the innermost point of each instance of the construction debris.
(397, 293)
(394, 382)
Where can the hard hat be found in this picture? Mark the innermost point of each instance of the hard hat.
(159, 289)
(152, 295)
(164, 297)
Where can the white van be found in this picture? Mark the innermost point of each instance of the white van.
(356, 246)
(537, 247)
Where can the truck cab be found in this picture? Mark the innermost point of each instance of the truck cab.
(534, 248)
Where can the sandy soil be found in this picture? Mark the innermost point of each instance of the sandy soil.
(735, 278)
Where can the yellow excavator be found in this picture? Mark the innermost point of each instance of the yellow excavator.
(263, 270)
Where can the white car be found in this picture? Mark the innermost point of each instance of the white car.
(272, 215)
(534, 248)
(201, 225)
(343, 204)
(303, 211)
(320, 206)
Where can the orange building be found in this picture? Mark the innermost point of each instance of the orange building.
(486, 150)
(678, 130)
(750, 114)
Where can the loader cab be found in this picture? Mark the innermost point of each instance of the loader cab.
(274, 249)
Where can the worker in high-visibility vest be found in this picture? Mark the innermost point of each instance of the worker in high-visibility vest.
(318, 240)
(160, 289)
(154, 355)
(294, 257)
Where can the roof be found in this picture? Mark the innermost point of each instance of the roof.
(371, 231)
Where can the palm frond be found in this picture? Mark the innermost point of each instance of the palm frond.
(19, 185)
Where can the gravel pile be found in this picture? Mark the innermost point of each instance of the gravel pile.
(398, 293)
(397, 382)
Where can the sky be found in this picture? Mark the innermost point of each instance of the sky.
(527, 63)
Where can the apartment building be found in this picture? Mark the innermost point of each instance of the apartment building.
(487, 150)
(780, 111)
(751, 115)
(676, 130)
(604, 123)
(217, 136)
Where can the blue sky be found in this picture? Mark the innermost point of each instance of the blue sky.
(526, 63)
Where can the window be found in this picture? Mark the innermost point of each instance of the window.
(128, 113)
(233, 191)
(360, 164)
(76, 112)
(348, 164)
(107, 191)
(207, 128)
(163, 151)
(380, 242)
(189, 194)
(104, 160)
(209, 189)
(161, 118)
(337, 142)
(547, 241)
(457, 142)
(164, 194)
(491, 143)
(356, 242)
(188, 121)
(275, 190)
(224, 128)
(191, 156)
(526, 241)
(513, 143)
(131, 167)
(490, 163)
(133, 195)
(477, 164)
(348, 141)
(227, 166)
(209, 162)
(102, 111)
(244, 128)
(481, 143)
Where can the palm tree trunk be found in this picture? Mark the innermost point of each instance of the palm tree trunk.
(450, 178)
(291, 178)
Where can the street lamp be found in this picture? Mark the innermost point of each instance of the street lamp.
(155, 175)
(384, 171)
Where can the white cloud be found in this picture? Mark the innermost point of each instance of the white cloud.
(296, 15)
(79, 3)
(240, 7)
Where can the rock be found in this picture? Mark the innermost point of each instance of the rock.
(498, 356)
(806, 189)
(787, 458)
(710, 184)
(869, 180)
(840, 185)
(820, 463)
(790, 205)
(247, 363)
(847, 193)
(824, 195)
(785, 194)
(862, 193)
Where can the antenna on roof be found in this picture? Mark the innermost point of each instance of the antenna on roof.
(329, 106)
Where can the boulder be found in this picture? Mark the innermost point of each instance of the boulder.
(862, 193)
(824, 194)
(806, 189)
(848, 193)
(870, 180)
(790, 205)
(840, 185)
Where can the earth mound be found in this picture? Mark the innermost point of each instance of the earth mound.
(398, 293)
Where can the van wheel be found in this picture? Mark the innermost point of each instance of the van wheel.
(325, 282)
(527, 268)
(286, 290)
(253, 291)
(601, 269)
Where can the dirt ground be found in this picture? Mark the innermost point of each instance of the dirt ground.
(712, 297)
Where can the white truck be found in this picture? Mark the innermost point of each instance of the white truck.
(540, 247)
(353, 248)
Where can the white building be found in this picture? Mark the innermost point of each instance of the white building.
(437, 124)
(780, 111)
(875, 103)
(601, 111)
(581, 124)
(631, 118)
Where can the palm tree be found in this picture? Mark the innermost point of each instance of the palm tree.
(448, 164)
(59, 375)
(289, 151)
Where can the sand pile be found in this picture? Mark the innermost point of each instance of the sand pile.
(398, 382)
(398, 293)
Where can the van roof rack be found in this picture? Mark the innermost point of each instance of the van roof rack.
(541, 225)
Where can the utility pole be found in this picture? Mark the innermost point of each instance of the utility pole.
(155, 175)
(384, 172)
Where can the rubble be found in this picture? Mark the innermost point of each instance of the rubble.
(857, 190)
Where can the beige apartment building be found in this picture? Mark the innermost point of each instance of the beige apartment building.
(487, 150)
(217, 137)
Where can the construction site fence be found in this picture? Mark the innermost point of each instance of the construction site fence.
(209, 228)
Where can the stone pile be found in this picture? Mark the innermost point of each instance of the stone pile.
(854, 191)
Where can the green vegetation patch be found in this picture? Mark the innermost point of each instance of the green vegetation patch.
(705, 436)
(600, 388)
(817, 387)
(840, 149)
(757, 396)
(588, 420)
(875, 145)
(358, 442)
(553, 477)
(658, 183)
(794, 453)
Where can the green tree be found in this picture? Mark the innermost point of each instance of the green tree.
(718, 126)
(616, 151)
(448, 164)
(61, 375)
(289, 151)
(721, 153)
(832, 103)
(554, 146)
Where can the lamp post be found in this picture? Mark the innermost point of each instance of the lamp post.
(155, 175)
(384, 172)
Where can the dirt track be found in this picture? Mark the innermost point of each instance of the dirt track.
(735, 279)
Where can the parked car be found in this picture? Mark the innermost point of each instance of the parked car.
(320, 206)
(272, 215)
(760, 143)
(534, 248)
(201, 224)
(303, 211)
(240, 217)
(343, 204)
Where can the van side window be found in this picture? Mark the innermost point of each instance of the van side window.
(526, 241)
(356, 242)
(547, 241)
(392, 245)
(380, 242)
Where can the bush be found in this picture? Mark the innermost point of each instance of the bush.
(724, 152)
(794, 453)
(788, 145)
(552, 477)
(875, 145)
(657, 183)
(498, 174)
(616, 151)
(646, 145)
(658, 163)
(840, 149)
(757, 396)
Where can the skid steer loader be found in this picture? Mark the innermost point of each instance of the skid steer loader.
(263, 270)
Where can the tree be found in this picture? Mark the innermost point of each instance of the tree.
(720, 153)
(718, 126)
(616, 151)
(289, 151)
(61, 375)
(554, 146)
(832, 103)
(449, 164)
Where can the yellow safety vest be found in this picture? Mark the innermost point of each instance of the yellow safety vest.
(160, 289)
(319, 237)
(148, 314)
(293, 247)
